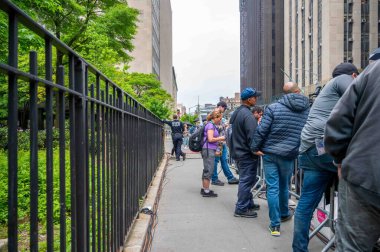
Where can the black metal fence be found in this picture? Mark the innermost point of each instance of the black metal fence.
(114, 147)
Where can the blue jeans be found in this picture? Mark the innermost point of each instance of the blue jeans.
(225, 167)
(247, 177)
(317, 175)
(278, 171)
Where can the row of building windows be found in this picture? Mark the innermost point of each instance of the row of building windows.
(303, 44)
(296, 32)
(348, 26)
(156, 36)
(364, 33)
(319, 40)
(273, 47)
(303, 70)
(311, 73)
(291, 39)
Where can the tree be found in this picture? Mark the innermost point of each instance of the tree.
(101, 31)
(69, 20)
(146, 88)
(189, 118)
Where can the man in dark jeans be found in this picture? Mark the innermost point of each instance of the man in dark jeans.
(177, 128)
(243, 128)
(318, 166)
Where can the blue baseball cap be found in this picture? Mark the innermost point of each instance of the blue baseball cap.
(248, 93)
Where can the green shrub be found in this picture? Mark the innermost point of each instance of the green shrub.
(24, 185)
(24, 139)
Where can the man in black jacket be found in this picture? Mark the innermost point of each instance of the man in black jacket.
(243, 128)
(177, 131)
(352, 137)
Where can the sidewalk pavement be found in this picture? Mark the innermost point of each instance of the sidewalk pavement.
(189, 222)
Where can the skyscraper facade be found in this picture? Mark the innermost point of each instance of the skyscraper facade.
(261, 47)
(153, 52)
(320, 34)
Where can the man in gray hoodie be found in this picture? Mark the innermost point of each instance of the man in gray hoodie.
(318, 167)
(351, 137)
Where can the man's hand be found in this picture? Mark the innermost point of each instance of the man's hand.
(258, 153)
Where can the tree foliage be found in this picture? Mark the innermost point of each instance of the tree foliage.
(189, 118)
(101, 31)
(146, 88)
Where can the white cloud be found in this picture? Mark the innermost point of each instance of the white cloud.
(206, 49)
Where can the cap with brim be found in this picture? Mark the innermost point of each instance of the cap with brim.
(249, 92)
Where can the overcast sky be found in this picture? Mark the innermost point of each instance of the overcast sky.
(206, 49)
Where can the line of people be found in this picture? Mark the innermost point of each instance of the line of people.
(337, 135)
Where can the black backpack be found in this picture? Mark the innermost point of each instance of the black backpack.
(196, 139)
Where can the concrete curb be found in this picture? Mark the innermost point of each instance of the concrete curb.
(137, 236)
(4, 245)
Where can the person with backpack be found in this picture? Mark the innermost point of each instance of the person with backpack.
(177, 128)
(221, 107)
(211, 139)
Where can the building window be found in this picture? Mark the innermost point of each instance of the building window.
(303, 43)
(311, 74)
(156, 37)
(319, 40)
(348, 24)
(296, 32)
(273, 47)
(378, 26)
(364, 33)
(291, 38)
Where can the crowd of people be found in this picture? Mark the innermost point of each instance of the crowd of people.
(334, 141)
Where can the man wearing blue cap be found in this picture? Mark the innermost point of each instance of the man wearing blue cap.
(243, 128)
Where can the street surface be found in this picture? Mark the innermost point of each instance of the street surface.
(189, 222)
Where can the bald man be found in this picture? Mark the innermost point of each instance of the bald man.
(277, 140)
(291, 87)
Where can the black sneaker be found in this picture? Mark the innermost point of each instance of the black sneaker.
(177, 159)
(245, 214)
(233, 181)
(218, 183)
(289, 217)
(202, 191)
(209, 194)
(255, 207)
(184, 156)
(274, 231)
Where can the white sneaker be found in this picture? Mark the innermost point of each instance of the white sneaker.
(292, 203)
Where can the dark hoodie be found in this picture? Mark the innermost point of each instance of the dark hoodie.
(243, 127)
(280, 130)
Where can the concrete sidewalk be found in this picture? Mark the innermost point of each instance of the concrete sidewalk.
(189, 222)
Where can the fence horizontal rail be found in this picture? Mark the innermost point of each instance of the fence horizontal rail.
(109, 147)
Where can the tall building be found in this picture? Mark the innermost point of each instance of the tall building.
(262, 47)
(153, 52)
(320, 34)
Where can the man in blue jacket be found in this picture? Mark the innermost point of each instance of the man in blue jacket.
(243, 128)
(278, 140)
